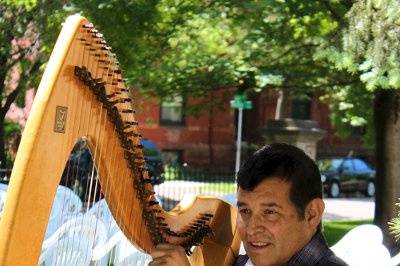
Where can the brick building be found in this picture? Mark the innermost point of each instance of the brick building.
(210, 138)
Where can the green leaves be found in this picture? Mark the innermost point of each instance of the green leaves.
(371, 43)
(27, 4)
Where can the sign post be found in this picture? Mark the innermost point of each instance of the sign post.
(240, 102)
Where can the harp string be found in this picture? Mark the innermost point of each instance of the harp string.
(104, 187)
(116, 91)
(123, 171)
(104, 71)
(86, 49)
(93, 64)
(93, 177)
(65, 244)
(106, 75)
(70, 241)
(85, 57)
(136, 218)
(87, 124)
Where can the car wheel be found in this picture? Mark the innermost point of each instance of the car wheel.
(334, 189)
(370, 191)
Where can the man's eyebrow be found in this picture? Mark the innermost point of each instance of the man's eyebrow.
(271, 204)
(240, 204)
(267, 204)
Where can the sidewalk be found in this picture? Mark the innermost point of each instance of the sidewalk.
(349, 209)
(335, 209)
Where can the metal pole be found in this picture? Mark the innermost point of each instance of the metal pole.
(239, 139)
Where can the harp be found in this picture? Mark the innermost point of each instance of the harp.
(82, 95)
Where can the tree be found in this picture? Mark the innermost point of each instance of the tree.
(25, 29)
(370, 48)
(194, 48)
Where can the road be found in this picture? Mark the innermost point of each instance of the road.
(349, 209)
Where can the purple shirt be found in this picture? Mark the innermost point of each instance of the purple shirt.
(315, 253)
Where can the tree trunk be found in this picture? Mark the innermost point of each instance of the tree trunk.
(3, 157)
(387, 126)
(282, 105)
(210, 132)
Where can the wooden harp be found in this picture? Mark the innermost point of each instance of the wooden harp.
(82, 94)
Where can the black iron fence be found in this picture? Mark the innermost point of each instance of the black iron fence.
(182, 181)
(5, 175)
(209, 175)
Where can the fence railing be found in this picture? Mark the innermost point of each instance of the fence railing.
(181, 181)
(5, 175)
(208, 175)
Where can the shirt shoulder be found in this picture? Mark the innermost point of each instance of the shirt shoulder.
(316, 253)
(332, 260)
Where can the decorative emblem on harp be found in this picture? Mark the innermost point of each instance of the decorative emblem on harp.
(100, 110)
(61, 119)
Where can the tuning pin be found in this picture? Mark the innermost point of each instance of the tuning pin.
(128, 111)
(188, 252)
(88, 25)
(99, 35)
(152, 202)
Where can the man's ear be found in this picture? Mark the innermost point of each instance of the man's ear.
(314, 211)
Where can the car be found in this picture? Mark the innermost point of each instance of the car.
(152, 156)
(80, 165)
(346, 175)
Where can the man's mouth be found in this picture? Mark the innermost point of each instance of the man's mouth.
(259, 245)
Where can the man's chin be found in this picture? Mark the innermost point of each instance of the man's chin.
(262, 256)
(264, 261)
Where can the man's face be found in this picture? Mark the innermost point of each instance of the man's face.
(269, 225)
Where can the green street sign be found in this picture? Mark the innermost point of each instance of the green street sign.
(240, 102)
(240, 97)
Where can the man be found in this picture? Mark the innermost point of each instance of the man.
(280, 210)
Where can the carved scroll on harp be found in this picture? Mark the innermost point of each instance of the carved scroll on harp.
(82, 94)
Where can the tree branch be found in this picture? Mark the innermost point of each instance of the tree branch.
(291, 50)
(347, 3)
(343, 83)
(13, 95)
(334, 14)
(326, 85)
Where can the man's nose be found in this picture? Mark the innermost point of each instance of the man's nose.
(255, 225)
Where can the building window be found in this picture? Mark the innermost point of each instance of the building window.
(301, 109)
(172, 157)
(172, 112)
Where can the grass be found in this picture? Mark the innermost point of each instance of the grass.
(335, 230)
(225, 187)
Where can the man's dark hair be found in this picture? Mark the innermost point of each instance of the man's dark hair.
(288, 163)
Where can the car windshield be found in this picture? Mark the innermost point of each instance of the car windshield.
(360, 165)
(329, 165)
(150, 149)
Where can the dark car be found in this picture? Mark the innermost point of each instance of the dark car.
(347, 175)
(152, 156)
(79, 167)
